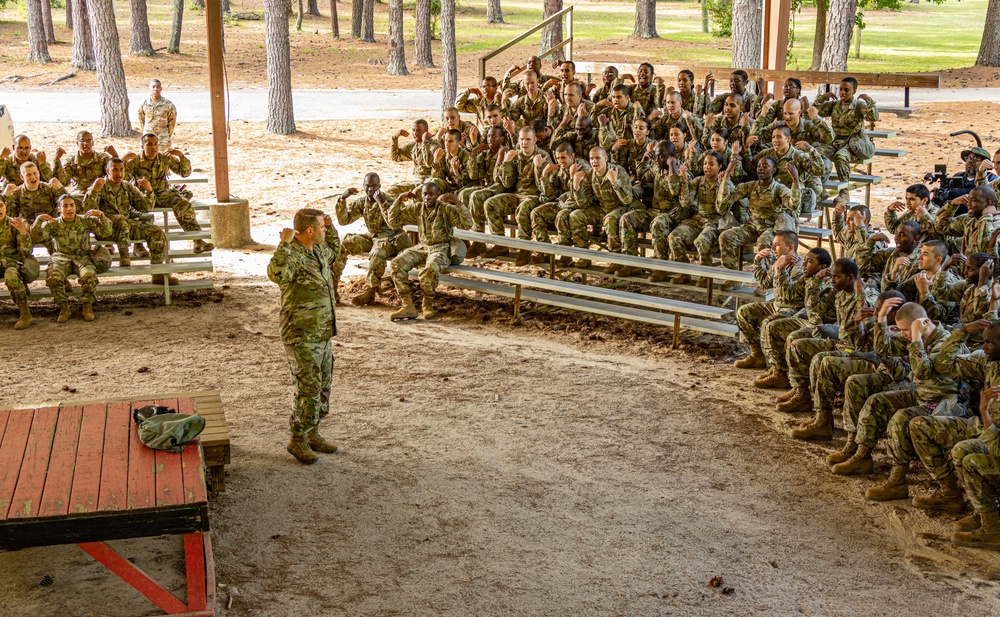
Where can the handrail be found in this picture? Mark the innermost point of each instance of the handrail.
(517, 39)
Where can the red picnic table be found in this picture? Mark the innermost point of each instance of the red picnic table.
(78, 474)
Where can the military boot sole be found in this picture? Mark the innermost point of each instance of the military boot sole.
(990, 542)
(887, 493)
(923, 502)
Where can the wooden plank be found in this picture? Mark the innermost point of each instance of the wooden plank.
(114, 464)
(194, 567)
(90, 455)
(169, 476)
(127, 288)
(128, 572)
(12, 455)
(141, 469)
(62, 463)
(28, 494)
(192, 465)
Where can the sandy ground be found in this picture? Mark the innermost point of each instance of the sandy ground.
(467, 483)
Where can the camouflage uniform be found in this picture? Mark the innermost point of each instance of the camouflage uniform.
(14, 248)
(521, 177)
(156, 171)
(693, 102)
(469, 104)
(703, 228)
(789, 297)
(486, 171)
(814, 132)
(619, 124)
(446, 178)
(972, 302)
(893, 219)
(557, 195)
(829, 370)
(422, 156)
(436, 229)
(979, 462)
(524, 110)
(72, 256)
(661, 126)
(975, 232)
(751, 103)
(159, 118)
(697, 165)
(380, 242)
(774, 333)
(581, 147)
(738, 132)
(851, 143)
(665, 211)
(630, 156)
(80, 174)
(10, 169)
(649, 97)
(855, 245)
(308, 323)
(597, 201)
(941, 306)
(766, 204)
(27, 205)
(888, 256)
(810, 168)
(123, 205)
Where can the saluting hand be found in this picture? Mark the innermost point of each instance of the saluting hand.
(59, 153)
(287, 234)
(20, 225)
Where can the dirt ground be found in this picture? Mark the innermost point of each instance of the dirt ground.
(467, 483)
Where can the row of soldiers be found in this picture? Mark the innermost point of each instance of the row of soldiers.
(40, 204)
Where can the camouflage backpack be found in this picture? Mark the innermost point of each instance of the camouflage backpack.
(170, 431)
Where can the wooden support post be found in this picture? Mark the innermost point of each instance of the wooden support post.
(213, 25)
(552, 266)
(677, 330)
(135, 577)
(517, 301)
(775, 38)
(710, 289)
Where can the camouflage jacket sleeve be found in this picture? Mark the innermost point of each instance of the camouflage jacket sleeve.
(947, 287)
(811, 162)
(819, 300)
(729, 194)
(886, 343)
(959, 365)
(689, 191)
(348, 211)
(180, 165)
(924, 365)
(400, 214)
(400, 155)
(333, 243)
(508, 174)
(858, 335)
(946, 223)
(459, 216)
(466, 105)
(41, 231)
(819, 132)
(763, 272)
(98, 225)
(138, 200)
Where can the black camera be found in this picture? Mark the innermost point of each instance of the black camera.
(949, 187)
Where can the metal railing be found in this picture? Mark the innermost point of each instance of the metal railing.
(566, 43)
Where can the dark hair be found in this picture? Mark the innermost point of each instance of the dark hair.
(892, 293)
(686, 72)
(141, 139)
(651, 70)
(784, 129)
(305, 219)
(668, 146)
(774, 161)
(940, 248)
(539, 125)
(80, 135)
(987, 192)
(680, 126)
(741, 73)
(863, 209)
(852, 81)
(796, 83)
(493, 107)
(421, 122)
(113, 161)
(643, 120)
(718, 157)
(822, 256)
(913, 226)
(571, 64)
(847, 266)
(457, 134)
(978, 259)
(489, 79)
(788, 237)
(737, 98)
(722, 132)
(565, 146)
(919, 190)
(623, 88)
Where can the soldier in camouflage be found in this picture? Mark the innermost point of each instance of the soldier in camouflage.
(665, 211)
(81, 169)
(15, 247)
(453, 165)
(157, 115)
(848, 116)
(628, 153)
(852, 231)
(733, 120)
(979, 227)
(616, 123)
(519, 174)
(476, 100)
(737, 85)
(978, 463)
(901, 263)
(530, 105)
(420, 151)
(34, 197)
(557, 196)
(487, 164)
(812, 130)
(974, 294)
(11, 162)
(806, 160)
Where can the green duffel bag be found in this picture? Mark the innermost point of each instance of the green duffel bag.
(30, 270)
(101, 257)
(170, 431)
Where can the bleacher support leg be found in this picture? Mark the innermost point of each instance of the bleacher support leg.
(517, 302)
(677, 330)
(708, 299)
(552, 266)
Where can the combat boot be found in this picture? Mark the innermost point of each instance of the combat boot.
(968, 523)
(365, 298)
(406, 311)
(947, 498)
(428, 307)
(25, 319)
(842, 197)
(800, 402)
(893, 488)
(318, 444)
(860, 464)
(523, 258)
(657, 277)
(140, 252)
(63, 312)
(820, 429)
(539, 258)
(680, 279)
(612, 268)
(987, 536)
(784, 396)
(170, 280)
(88, 311)
(200, 246)
(124, 260)
(298, 448)
(565, 261)
(475, 250)
(702, 282)
(756, 358)
(629, 271)
(581, 263)
(775, 378)
(841, 455)
(496, 251)
(729, 286)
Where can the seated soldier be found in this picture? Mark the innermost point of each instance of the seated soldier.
(563, 113)
(453, 122)
(985, 172)
(495, 118)
(155, 166)
(122, 204)
(733, 120)
(71, 234)
(15, 247)
(779, 268)
(579, 133)
(476, 100)
(519, 174)
(436, 217)
(646, 91)
(973, 294)
(82, 168)
(11, 162)
(768, 199)
(380, 242)
(543, 134)
(719, 143)
(737, 85)
(688, 151)
(507, 84)
(609, 79)
(702, 229)
(916, 207)
(567, 76)
(452, 164)
(628, 153)
(933, 255)
(899, 263)
(852, 231)
(933, 391)
(979, 228)
(34, 197)
(530, 105)
(770, 109)
(675, 115)
(487, 163)
(419, 151)
(665, 211)
(556, 183)
(616, 123)
(848, 117)
(812, 130)
(806, 159)
(690, 99)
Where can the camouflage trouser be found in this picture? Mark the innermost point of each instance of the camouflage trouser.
(660, 228)
(12, 278)
(120, 232)
(312, 371)
(141, 231)
(633, 223)
(753, 316)
(500, 206)
(878, 410)
(435, 257)
(183, 211)
(732, 241)
(574, 225)
(857, 390)
(933, 438)
(978, 467)
(828, 374)
(846, 150)
(897, 432)
(774, 335)
(810, 193)
(523, 216)
(379, 250)
(61, 267)
(476, 200)
(801, 348)
(543, 217)
(698, 231)
(612, 227)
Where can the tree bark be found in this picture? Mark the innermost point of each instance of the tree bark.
(174, 46)
(838, 35)
(334, 21)
(224, 8)
(552, 33)
(50, 33)
(989, 49)
(746, 34)
(449, 66)
(110, 72)
(83, 37)
(314, 8)
(397, 49)
(819, 41)
(368, 22)
(494, 14)
(422, 54)
(38, 47)
(645, 20)
(198, 3)
(69, 14)
(298, 19)
(139, 43)
(357, 12)
(280, 115)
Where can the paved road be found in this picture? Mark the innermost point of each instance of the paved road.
(251, 105)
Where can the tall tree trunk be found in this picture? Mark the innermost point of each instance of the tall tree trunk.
(449, 67)
(334, 21)
(357, 16)
(746, 34)
(989, 49)
(422, 55)
(69, 13)
(494, 14)
(645, 20)
(280, 115)
(368, 22)
(224, 8)
(83, 37)
(552, 33)
(314, 8)
(704, 16)
(819, 41)
(139, 43)
(298, 19)
(110, 73)
(50, 33)
(838, 35)
(174, 46)
(198, 3)
(397, 49)
(38, 46)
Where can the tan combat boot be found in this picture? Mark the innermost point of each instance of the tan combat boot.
(428, 307)
(140, 252)
(496, 251)
(657, 277)
(820, 429)
(406, 311)
(841, 455)
(171, 279)
(364, 298)
(200, 246)
(475, 250)
(775, 378)
(784, 396)
(25, 319)
(702, 282)
(63, 312)
(987, 536)
(680, 279)
(581, 263)
(318, 444)
(88, 311)
(893, 488)
(298, 448)
(124, 260)
(629, 271)
(860, 464)
(968, 523)
(523, 258)
(947, 498)
(729, 286)
(612, 268)
(565, 261)
(756, 358)
(799, 402)
(540, 258)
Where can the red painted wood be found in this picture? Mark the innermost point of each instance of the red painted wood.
(89, 457)
(11, 455)
(169, 476)
(192, 463)
(3, 422)
(141, 468)
(135, 577)
(114, 464)
(194, 563)
(62, 463)
(28, 494)
(206, 539)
